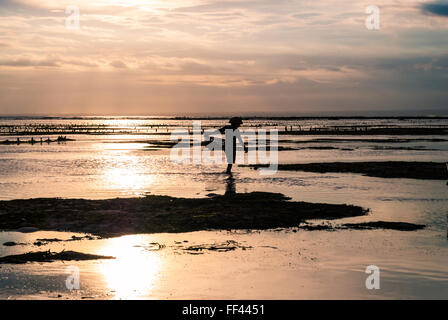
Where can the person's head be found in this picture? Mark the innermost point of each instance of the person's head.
(236, 122)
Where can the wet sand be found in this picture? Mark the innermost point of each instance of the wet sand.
(266, 264)
(386, 169)
(155, 214)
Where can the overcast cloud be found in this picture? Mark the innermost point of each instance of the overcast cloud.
(226, 56)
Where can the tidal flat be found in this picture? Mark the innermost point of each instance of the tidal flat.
(157, 214)
(381, 169)
(81, 184)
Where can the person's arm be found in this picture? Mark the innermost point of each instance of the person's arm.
(223, 129)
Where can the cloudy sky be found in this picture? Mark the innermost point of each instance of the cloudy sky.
(223, 56)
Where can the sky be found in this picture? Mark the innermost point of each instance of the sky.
(163, 57)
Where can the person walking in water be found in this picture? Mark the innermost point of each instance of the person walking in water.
(232, 133)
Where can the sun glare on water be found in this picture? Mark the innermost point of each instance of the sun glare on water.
(128, 174)
(135, 270)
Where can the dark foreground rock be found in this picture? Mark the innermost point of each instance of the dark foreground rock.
(372, 225)
(47, 256)
(401, 226)
(229, 245)
(12, 244)
(387, 169)
(153, 214)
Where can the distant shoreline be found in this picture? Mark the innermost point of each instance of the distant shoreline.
(5, 117)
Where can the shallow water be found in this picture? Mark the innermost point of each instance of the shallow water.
(99, 167)
(281, 264)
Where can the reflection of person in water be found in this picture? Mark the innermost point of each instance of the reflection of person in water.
(230, 186)
(232, 133)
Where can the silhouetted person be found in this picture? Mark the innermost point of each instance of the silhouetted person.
(231, 131)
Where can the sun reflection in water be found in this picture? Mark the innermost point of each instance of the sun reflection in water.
(135, 270)
(127, 173)
(121, 178)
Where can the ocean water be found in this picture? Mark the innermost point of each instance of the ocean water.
(281, 264)
(99, 166)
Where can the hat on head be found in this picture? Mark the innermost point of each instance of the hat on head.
(236, 120)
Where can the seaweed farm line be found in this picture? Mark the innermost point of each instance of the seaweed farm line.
(287, 127)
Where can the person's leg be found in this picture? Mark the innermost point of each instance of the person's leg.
(230, 154)
(232, 157)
